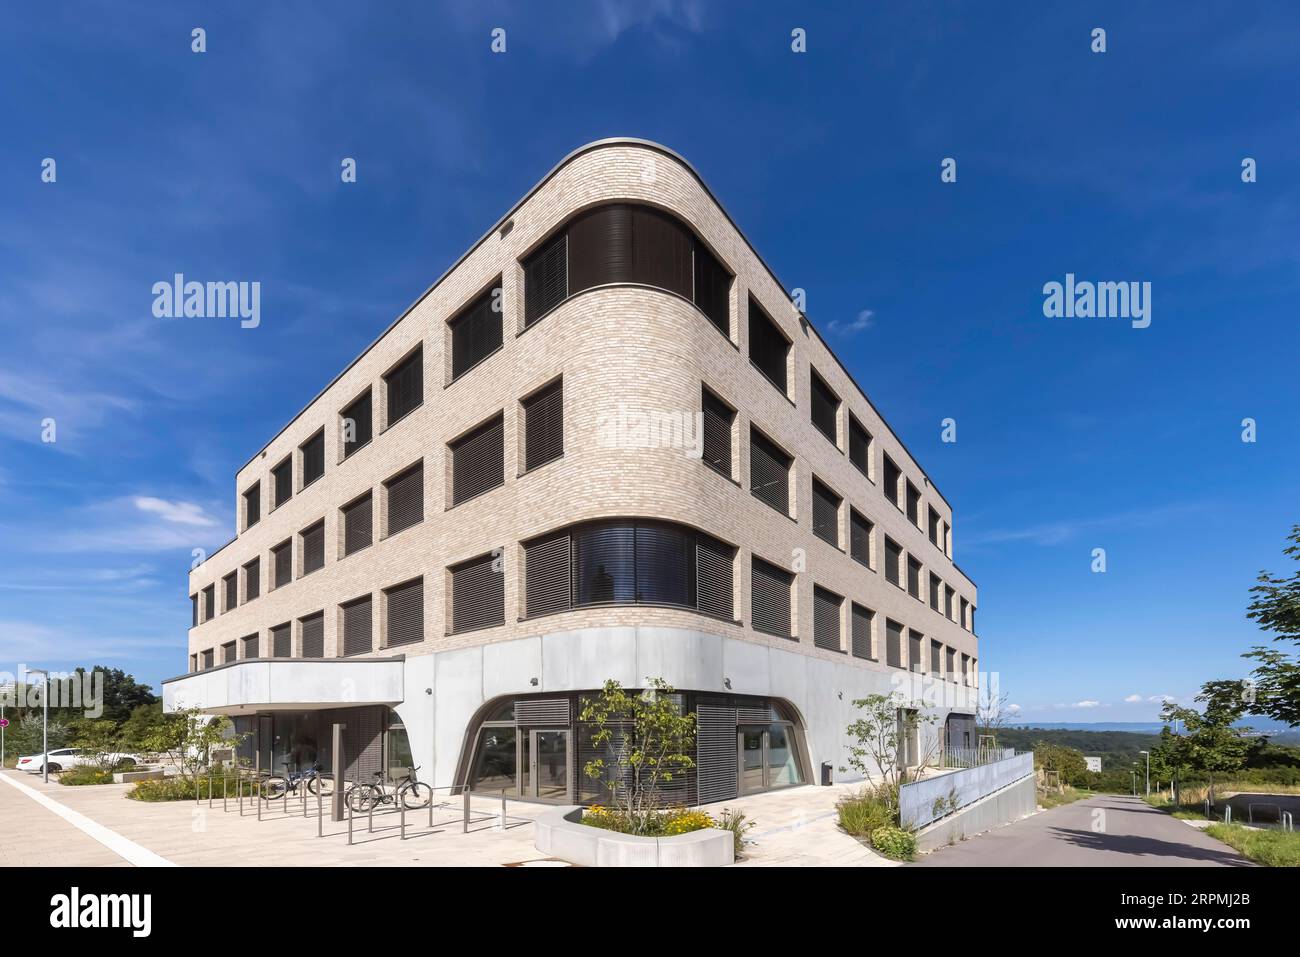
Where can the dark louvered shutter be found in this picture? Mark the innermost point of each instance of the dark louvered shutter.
(358, 424)
(282, 641)
(712, 289)
(194, 610)
(313, 459)
(600, 247)
(893, 559)
(252, 579)
(891, 479)
(251, 647)
(826, 514)
(936, 658)
(861, 623)
(406, 613)
(859, 446)
(406, 499)
(476, 332)
(715, 579)
(661, 251)
(914, 651)
(253, 505)
(768, 348)
(544, 425)
(230, 587)
(717, 419)
(477, 594)
(478, 461)
(313, 548)
(936, 590)
(546, 576)
(282, 563)
(860, 538)
(282, 477)
(826, 618)
(715, 750)
(358, 524)
(210, 603)
(546, 278)
(357, 627)
(227, 652)
(770, 591)
(769, 473)
(406, 386)
(665, 565)
(893, 644)
(543, 711)
(313, 636)
(825, 407)
(913, 505)
(913, 577)
(207, 659)
(604, 566)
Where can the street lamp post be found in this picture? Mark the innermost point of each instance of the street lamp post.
(1135, 781)
(45, 724)
(1148, 754)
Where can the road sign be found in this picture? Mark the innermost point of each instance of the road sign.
(4, 722)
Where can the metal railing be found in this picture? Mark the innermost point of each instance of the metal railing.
(973, 757)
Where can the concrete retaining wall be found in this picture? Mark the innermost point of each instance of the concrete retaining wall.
(561, 834)
(925, 801)
(1002, 807)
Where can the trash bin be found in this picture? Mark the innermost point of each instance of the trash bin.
(826, 774)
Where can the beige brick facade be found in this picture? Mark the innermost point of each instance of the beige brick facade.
(621, 350)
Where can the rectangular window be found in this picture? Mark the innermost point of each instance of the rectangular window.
(826, 514)
(282, 482)
(863, 624)
(544, 425)
(893, 562)
(913, 578)
(826, 619)
(194, 663)
(476, 331)
(950, 673)
(962, 620)
(769, 472)
(194, 610)
(859, 446)
(405, 499)
(713, 289)
(547, 578)
(313, 548)
(546, 278)
(946, 540)
(892, 477)
(313, 458)
(313, 635)
(825, 408)
(932, 527)
(405, 613)
(282, 641)
(251, 646)
(768, 347)
(936, 590)
(253, 506)
(965, 669)
(478, 461)
(718, 421)
(936, 659)
(715, 578)
(210, 603)
(478, 597)
(405, 386)
(230, 590)
(227, 652)
(282, 564)
(914, 651)
(948, 595)
(207, 659)
(357, 628)
(972, 619)
(358, 424)
(893, 643)
(358, 524)
(860, 529)
(913, 505)
(252, 579)
(771, 591)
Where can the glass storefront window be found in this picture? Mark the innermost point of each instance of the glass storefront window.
(400, 759)
(782, 768)
(496, 761)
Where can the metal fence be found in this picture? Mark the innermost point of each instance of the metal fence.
(973, 757)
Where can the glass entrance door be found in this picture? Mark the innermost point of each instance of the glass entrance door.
(547, 765)
(767, 757)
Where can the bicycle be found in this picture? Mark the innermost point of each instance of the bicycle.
(414, 795)
(314, 780)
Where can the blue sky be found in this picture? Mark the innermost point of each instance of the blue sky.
(1073, 434)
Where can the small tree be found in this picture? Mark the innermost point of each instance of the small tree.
(185, 738)
(649, 741)
(1068, 763)
(991, 711)
(877, 737)
(1211, 745)
(100, 740)
(25, 736)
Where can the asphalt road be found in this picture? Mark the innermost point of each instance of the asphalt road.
(1101, 831)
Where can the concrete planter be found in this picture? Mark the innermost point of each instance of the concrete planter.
(561, 833)
(128, 777)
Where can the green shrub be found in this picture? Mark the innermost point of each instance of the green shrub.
(735, 822)
(182, 789)
(85, 774)
(894, 842)
(862, 813)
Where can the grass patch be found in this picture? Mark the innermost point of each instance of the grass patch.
(85, 774)
(869, 816)
(1270, 848)
(1051, 799)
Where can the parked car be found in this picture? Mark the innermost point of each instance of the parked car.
(63, 758)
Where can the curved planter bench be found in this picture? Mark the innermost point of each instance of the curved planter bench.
(561, 833)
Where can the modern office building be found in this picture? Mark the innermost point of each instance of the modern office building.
(605, 444)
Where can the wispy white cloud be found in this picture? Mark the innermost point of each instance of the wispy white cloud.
(180, 513)
(1056, 532)
(863, 321)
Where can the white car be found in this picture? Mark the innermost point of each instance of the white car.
(63, 758)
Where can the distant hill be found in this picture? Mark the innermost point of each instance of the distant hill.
(1273, 728)
(1117, 749)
